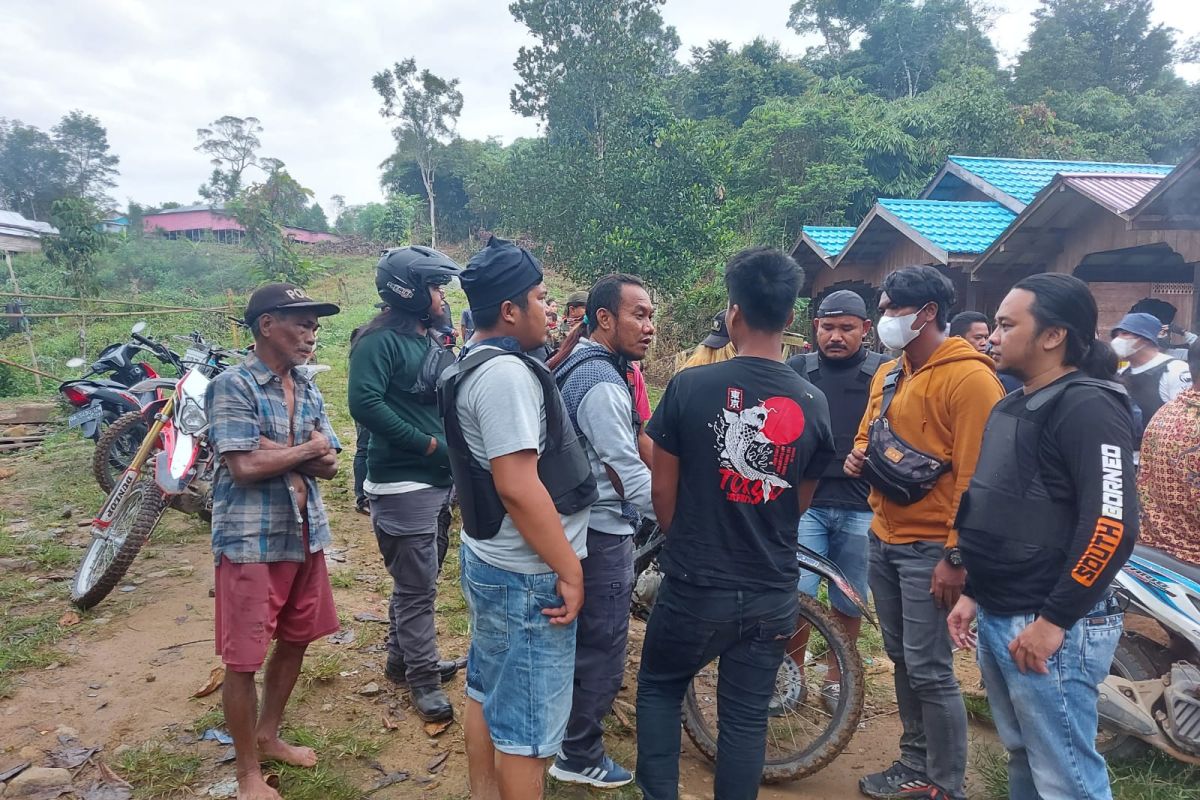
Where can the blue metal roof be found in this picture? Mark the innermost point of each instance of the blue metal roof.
(955, 226)
(1024, 178)
(831, 240)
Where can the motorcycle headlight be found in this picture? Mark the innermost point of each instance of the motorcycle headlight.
(192, 419)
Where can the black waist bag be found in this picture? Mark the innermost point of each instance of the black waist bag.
(901, 472)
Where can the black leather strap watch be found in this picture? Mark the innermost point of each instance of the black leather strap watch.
(953, 557)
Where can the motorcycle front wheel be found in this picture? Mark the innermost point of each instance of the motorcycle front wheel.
(803, 736)
(109, 555)
(117, 447)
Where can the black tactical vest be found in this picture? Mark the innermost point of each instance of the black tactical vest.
(1007, 507)
(1143, 389)
(843, 440)
(562, 467)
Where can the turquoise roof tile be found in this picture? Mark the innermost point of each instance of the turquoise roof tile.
(1024, 178)
(831, 240)
(954, 226)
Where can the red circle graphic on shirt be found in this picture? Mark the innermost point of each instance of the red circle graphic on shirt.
(785, 420)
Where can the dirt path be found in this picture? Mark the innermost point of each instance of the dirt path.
(129, 671)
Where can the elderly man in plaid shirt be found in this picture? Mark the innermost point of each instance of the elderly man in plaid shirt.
(269, 528)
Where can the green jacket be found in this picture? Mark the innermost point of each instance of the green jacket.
(383, 367)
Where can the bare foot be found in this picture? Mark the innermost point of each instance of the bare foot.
(253, 787)
(277, 749)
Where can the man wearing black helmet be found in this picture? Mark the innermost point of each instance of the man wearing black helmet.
(394, 363)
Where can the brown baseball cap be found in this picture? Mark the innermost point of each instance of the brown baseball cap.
(285, 296)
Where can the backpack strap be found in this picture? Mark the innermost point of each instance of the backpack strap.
(890, 384)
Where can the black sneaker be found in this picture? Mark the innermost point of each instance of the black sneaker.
(898, 782)
(396, 672)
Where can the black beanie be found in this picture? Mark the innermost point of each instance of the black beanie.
(499, 272)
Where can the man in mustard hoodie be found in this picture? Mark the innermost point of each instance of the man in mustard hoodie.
(944, 391)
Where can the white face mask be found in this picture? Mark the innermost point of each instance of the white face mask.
(897, 333)
(1124, 347)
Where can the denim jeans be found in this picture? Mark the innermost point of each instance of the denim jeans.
(599, 643)
(934, 741)
(1048, 722)
(362, 439)
(839, 534)
(520, 667)
(689, 627)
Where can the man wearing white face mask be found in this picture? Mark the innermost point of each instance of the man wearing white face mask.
(1153, 378)
(936, 399)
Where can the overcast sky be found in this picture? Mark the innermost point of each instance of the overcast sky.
(153, 72)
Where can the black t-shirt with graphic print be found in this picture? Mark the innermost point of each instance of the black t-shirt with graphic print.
(746, 431)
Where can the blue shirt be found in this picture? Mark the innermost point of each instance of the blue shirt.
(262, 522)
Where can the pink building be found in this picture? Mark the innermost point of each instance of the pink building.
(196, 222)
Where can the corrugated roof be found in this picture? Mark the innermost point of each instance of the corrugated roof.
(1117, 193)
(831, 240)
(13, 224)
(955, 226)
(216, 208)
(1024, 178)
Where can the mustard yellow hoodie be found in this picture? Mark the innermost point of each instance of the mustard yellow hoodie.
(941, 409)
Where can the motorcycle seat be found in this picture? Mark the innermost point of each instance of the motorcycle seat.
(1167, 561)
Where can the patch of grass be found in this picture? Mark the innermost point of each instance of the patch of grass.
(26, 642)
(51, 555)
(344, 579)
(978, 708)
(322, 668)
(158, 771)
(318, 783)
(336, 743)
(1156, 777)
(212, 718)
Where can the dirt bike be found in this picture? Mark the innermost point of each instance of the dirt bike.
(1152, 694)
(802, 736)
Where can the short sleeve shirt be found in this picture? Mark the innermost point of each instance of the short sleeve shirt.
(746, 431)
(262, 522)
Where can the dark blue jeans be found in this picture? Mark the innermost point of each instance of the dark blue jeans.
(689, 627)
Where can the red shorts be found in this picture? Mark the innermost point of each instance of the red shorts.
(256, 603)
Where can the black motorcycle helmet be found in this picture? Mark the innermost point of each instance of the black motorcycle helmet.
(405, 273)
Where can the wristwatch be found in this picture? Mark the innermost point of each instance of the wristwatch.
(953, 557)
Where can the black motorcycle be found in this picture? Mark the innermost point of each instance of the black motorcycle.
(803, 734)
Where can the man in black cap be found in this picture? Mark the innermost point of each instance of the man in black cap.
(269, 529)
(525, 489)
(838, 522)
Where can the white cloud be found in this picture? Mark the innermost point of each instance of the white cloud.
(154, 71)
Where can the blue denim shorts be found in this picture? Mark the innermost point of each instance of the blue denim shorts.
(520, 668)
(839, 534)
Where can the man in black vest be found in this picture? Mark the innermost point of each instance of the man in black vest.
(837, 523)
(1153, 378)
(1061, 451)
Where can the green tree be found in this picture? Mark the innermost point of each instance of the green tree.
(1080, 44)
(232, 146)
(395, 227)
(720, 82)
(461, 160)
(33, 172)
(593, 63)
(836, 20)
(262, 210)
(313, 219)
(427, 108)
(74, 251)
(89, 166)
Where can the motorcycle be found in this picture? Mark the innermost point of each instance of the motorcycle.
(101, 400)
(115, 449)
(1152, 694)
(803, 737)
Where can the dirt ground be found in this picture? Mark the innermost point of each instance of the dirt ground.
(128, 671)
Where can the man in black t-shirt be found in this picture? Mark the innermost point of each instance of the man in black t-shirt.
(1061, 451)
(839, 522)
(738, 448)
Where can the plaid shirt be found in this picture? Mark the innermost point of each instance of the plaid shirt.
(262, 522)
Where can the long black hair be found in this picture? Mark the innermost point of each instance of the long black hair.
(1064, 301)
(388, 319)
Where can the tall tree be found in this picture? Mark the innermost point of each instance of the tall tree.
(721, 82)
(427, 108)
(1080, 44)
(75, 249)
(33, 172)
(594, 62)
(262, 210)
(232, 144)
(836, 20)
(88, 164)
